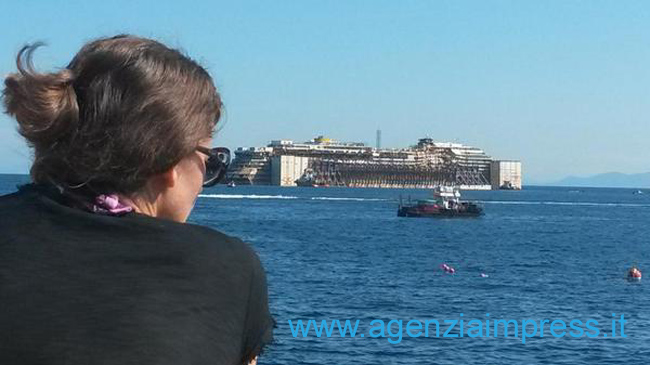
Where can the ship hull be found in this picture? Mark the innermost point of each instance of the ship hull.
(420, 211)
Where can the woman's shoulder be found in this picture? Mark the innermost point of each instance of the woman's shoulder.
(200, 239)
(28, 206)
(199, 232)
(17, 196)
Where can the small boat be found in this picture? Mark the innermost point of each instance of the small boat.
(310, 179)
(638, 192)
(445, 203)
(231, 184)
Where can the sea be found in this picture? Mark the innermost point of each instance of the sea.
(542, 253)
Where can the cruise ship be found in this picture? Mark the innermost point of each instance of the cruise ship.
(326, 162)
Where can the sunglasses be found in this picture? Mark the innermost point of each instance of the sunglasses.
(216, 165)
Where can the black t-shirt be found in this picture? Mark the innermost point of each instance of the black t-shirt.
(78, 288)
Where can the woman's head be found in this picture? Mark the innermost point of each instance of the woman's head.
(125, 116)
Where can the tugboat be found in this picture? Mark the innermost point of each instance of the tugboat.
(445, 203)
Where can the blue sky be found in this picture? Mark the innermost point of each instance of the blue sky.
(561, 85)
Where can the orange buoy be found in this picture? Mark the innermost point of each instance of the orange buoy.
(634, 274)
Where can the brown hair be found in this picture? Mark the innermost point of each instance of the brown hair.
(123, 110)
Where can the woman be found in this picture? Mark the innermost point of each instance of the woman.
(97, 264)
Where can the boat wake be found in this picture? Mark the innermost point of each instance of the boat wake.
(241, 196)
(590, 204)
(349, 199)
(324, 198)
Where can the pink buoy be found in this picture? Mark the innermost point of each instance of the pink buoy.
(448, 269)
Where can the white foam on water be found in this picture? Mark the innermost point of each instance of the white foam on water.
(590, 204)
(241, 196)
(349, 199)
(326, 198)
(505, 202)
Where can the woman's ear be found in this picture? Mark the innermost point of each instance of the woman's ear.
(169, 178)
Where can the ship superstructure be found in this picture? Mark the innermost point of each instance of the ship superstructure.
(326, 162)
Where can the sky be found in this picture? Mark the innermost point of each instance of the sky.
(562, 86)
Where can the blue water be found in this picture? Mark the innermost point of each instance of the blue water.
(549, 252)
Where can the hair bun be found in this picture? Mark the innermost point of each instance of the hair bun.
(124, 110)
(44, 104)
